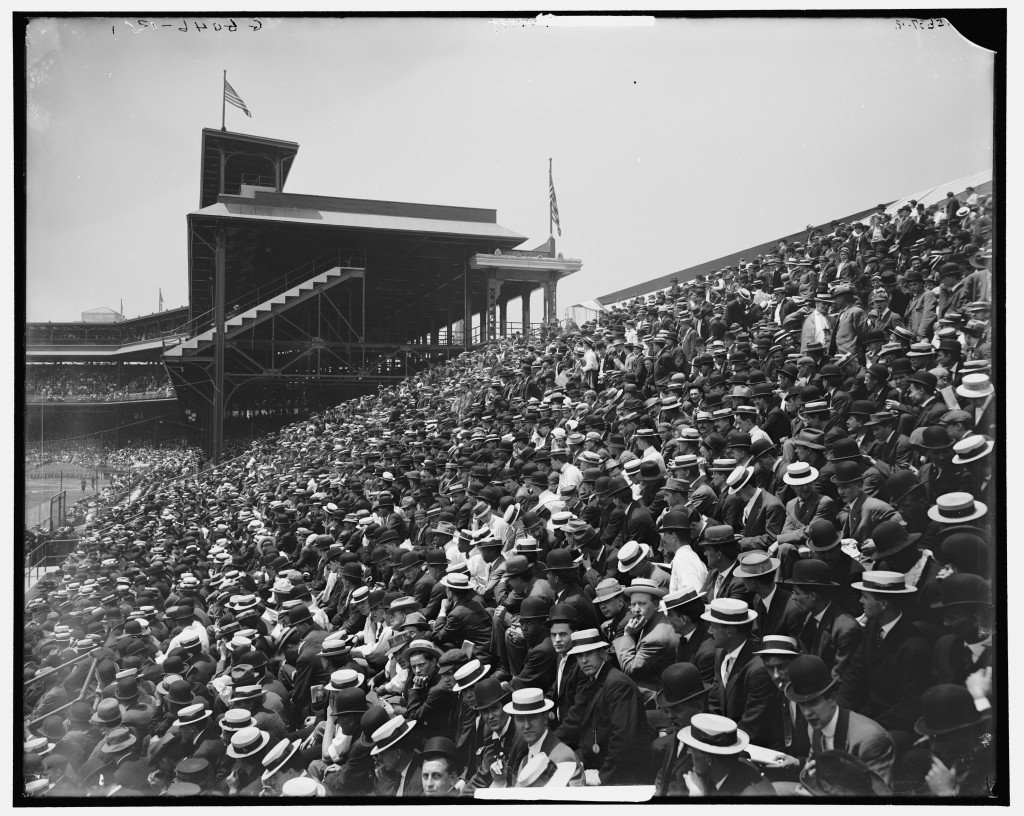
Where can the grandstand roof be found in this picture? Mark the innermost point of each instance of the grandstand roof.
(260, 205)
(981, 181)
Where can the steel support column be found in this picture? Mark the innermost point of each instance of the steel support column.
(217, 418)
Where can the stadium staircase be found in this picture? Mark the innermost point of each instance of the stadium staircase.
(242, 321)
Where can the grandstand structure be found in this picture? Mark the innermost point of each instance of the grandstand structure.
(118, 353)
(980, 181)
(301, 301)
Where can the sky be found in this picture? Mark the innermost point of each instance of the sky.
(673, 144)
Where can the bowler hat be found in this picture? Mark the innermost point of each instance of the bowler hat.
(963, 589)
(559, 560)
(809, 679)
(946, 708)
(810, 572)
(891, 537)
(680, 682)
(489, 691)
(848, 472)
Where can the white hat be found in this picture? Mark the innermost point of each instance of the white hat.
(714, 734)
(800, 473)
(730, 611)
(528, 701)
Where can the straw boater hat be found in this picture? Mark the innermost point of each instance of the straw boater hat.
(779, 645)
(631, 554)
(469, 674)
(645, 586)
(883, 582)
(956, 508)
(247, 742)
(730, 611)
(756, 564)
(528, 701)
(587, 640)
(391, 733)
(800, 473)
(714, 734)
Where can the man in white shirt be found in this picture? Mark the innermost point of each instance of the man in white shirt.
(687, 568)
(568, 474)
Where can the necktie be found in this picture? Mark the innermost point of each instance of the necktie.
(727, 669)
(719, 581)
(787, 723)
(817, 742)
(809, 636)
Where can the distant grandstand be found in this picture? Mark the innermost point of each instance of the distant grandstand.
(980, 181)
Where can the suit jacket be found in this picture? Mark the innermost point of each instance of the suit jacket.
(764, 522)
(895, 451)
(587, 616)
(670, 780)
(862, 737)
(638, 525)
(920, 314)
(930, 413)
(799, 515)
(539, 669)
(866, 513)
(611, 523)
(732, 587)
(609, 713)
(952, 661)
(886, 680)
(777, 425)
(783, 616)
(745, 779)
(655, 649)
(467, 621)
(750, 697)
(551, 745)
(835, 639)
(702, 496)
(698, 649)
(491, 748)
(603, 564)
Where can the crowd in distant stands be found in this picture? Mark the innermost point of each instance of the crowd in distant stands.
(737, 538)
(70, 383)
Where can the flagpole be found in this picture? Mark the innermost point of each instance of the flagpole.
(551, 228)
(223, 99)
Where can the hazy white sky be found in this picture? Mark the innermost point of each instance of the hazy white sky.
(672, 144)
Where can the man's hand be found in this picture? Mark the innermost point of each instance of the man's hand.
(634, 626)
(941, 780)
(979, 684)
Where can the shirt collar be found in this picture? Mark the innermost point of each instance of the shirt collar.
(534, 749)
(885, 630)
(767, 599)
(830, 729)
(750, 504)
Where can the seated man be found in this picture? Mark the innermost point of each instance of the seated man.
(715, 745)
(648, 643)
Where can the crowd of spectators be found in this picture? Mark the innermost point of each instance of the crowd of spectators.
(95, 383)
(737, 538)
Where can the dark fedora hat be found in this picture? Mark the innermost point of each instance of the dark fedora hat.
(845, 449)
(489, 692)
(718, 535)
(809, 679)
(891, 537)
(680, 682)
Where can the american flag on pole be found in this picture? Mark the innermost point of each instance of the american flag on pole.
(231, 95)
(554, 201)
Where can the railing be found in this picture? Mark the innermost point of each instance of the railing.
(45, 556)
(354, 259)
(163, 393)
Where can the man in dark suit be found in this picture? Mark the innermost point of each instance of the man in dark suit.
(607, 723)
(563, 575)
(890, 445)
(600, 561)
(683, 695)
(899, 551)
(825, 630)
(529, 710)
(763, 514)
(497, 738)
(716, 747)
(563, 620)
(807, 505)
(776, 612)
(824, 543)
(861, 513)
(892, 668)
(539, 668)
(832, 727)
(743, 689)
(721, 548)
(637, 522)
(777, 653)
(684, 610)
(964, 602)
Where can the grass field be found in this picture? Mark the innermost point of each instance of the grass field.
(39, 491)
